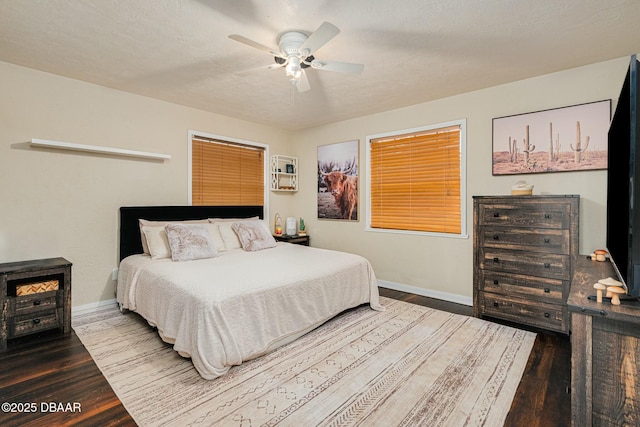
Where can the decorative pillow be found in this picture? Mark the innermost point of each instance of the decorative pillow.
(190, 242)
(253, 235)
(157, 242)
(161, 224)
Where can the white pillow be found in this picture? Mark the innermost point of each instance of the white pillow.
(190, 242)
(157, 242)
(214, 230)
(229, 236)
(253, 218)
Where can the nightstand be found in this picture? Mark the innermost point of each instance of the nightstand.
(295, 239)
(34, 296)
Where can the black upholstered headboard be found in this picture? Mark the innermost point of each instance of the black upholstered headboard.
(130, 242)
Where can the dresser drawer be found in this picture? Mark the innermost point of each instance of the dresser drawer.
(28, 324)
(526, 239)
(528, 287)
(534, 215)
(553, 266)
(34, 303)
(534, 313)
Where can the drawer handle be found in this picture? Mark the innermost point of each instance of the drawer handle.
(496, 237)
(547, 315)
(547, 290)
(495, 282)
(547, 265)
(547, 241)
(36, 302)
(36, 321)
(495, 304)
(496, 260)
(496, 214)
(547, 216)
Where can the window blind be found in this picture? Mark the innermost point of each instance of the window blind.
(415, 181)
(226, 174)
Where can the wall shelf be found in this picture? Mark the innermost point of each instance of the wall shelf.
(284, 173)
(97, 149)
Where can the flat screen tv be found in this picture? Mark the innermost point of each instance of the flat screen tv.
(623, 184)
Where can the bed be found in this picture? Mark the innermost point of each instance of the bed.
(241, 302)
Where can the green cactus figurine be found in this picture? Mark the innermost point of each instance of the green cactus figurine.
(301, 229)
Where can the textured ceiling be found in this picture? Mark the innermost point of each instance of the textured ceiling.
(413, 50)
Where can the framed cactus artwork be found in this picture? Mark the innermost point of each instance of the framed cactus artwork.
(557, 140)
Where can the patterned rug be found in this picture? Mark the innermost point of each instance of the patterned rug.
(407, 366)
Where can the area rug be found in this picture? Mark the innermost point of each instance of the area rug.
(407, 366)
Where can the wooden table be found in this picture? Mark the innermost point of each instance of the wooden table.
(296, 239)
(605, 352)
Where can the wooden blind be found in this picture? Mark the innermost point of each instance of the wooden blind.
(226, 174)
(415, 181)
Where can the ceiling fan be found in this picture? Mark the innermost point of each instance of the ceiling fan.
(296, 52)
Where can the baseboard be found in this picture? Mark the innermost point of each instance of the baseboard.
(91, 307)
(458, 299)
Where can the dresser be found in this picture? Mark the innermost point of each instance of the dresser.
(34, 296)
(525, 250)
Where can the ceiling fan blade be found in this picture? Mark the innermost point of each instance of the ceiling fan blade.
(244, 73)
(303, 83)
(319, 38)
(256, 45)
(341, 67)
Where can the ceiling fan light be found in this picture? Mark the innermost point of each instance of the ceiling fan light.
(293, 68)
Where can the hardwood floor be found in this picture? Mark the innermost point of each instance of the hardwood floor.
(39, 373)
(49, 369)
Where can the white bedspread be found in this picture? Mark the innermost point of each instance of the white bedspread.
(239, 305)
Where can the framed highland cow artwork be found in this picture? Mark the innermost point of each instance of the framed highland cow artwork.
(563, 139)
(338, 181)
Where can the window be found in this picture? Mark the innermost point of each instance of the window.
(225, 172)
(417, 180)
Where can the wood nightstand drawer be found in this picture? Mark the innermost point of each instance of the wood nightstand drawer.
(528, 287)
(534, 313)
(17, 306)
(526, 239)
(541, 215)
(538, 264)
(28, 324)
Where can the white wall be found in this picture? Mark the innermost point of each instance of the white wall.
(66, 204)
(56, 203)
(443, 266)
